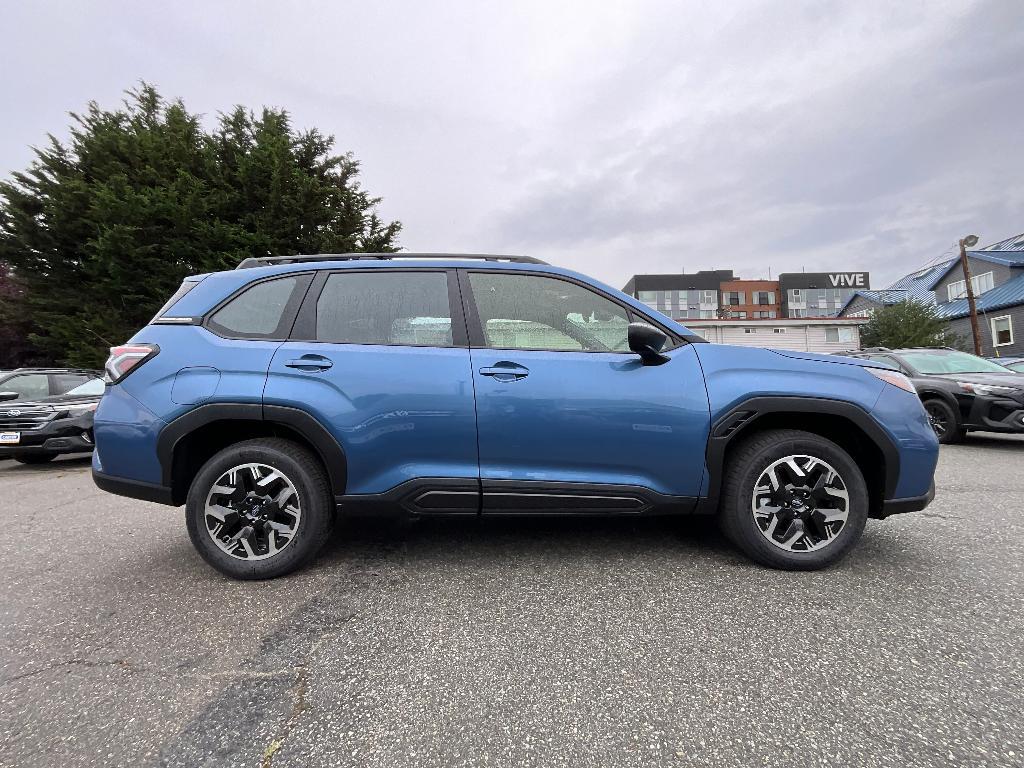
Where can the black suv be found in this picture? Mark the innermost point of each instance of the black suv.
(47, 411)
(961, 392)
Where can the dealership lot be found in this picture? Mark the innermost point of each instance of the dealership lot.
(529, 642)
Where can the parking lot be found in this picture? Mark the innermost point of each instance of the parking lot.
(529, 642)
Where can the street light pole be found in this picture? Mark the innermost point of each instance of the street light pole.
(969, 242)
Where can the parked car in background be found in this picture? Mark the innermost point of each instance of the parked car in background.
(269, 399)
(1013, 363)
(45, 412)
(961, 392)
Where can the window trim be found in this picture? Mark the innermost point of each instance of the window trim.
(288, 316)
(992, 329)
(304, 328)
(477, 339)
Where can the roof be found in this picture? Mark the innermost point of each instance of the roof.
(912, 287)
(1015, 243)
(1005, 258)
(1008, 294)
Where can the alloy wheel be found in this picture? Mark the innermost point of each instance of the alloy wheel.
(800, 503)
(938, 419)
(252, 511)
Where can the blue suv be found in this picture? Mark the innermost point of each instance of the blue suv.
(273, 398)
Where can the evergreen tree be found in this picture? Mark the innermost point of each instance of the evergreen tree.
(100, 230)
(905, 324)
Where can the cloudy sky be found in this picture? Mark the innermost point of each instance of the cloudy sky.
(609, 137)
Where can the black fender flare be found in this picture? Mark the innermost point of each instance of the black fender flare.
(741, 416)
(296, 419)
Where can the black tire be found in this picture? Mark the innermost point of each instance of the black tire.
(304, 471)
(944, 421)
(753, 457)
(34, 458)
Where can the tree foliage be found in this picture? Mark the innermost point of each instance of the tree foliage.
(100, 230)
(904, 324)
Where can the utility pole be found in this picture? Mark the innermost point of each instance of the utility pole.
(969, 242)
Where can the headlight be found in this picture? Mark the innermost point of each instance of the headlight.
(986, 389)
(895, 378)
(78, 410)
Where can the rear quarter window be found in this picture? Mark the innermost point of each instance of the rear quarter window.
(264, 310)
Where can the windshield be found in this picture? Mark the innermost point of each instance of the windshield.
(91, 387)
(939, 361)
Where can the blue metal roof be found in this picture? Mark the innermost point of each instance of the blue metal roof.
(1006, 258)
(914, 286)
(1015, 243)
(1008, 294)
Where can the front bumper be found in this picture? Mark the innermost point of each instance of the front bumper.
(71, 435)
(994, 414)
(909, 504)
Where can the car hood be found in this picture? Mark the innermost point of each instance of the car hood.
(1008, 379)
(831, 358)
(56, 401)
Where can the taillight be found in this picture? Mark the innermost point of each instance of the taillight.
(125, 359)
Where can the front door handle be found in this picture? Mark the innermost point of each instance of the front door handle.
(310, 363)
(505, 371)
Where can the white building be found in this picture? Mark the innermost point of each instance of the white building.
(828, 334)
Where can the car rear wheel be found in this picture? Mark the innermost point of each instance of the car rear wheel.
(260, 509)
(943, 419)
(34, 458)
(793, 500)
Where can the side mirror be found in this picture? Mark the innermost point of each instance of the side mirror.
(5, 396)
(647, 341)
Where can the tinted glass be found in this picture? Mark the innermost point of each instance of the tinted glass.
(63, 382)
(534, 312)
(385, 308)
(184, 288)
(259, 311)
(28, 385)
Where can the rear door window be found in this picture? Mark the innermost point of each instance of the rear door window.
(396, 308)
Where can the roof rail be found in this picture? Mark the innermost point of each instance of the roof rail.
(876, 349)
(267, 261)
(51, 369)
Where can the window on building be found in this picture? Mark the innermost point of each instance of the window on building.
(795, 294)
(648, 297)
(750, 330)
(837, 335)
(778, 330)
(765, 314)
(738, 315)
(764, 297)
(797, 313)
(534, 312)
(980, 284)
(409, 308)
(709, 297)
(733, 298)
(1002, 331)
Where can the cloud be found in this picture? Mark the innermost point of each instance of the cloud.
(612, 137)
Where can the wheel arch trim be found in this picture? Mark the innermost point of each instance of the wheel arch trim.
(737, 420)
(296, 419)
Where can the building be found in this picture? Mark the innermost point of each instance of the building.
(997, 276)
(749, 299)
(819, 294)
(681, 296)
(828, 335)
(718, 293)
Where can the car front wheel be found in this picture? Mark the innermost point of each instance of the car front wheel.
(260, 509)
(793, 500)
(943, 419)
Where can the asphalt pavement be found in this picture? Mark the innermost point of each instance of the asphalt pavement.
(580, 642)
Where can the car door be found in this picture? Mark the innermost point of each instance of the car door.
(568, 418)
(379, 357)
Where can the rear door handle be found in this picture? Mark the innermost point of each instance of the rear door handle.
(310, 363)
(504, 371)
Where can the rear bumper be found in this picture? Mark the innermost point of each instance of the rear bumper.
(133, 489)
(908, 504)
